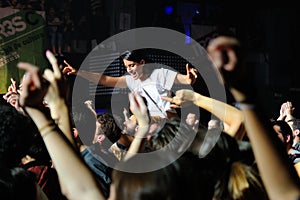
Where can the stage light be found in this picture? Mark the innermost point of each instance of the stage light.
(169, 10)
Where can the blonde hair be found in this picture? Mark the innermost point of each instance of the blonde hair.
(244, 182)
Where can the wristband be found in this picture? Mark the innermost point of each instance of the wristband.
(244, 106)
(48, 131)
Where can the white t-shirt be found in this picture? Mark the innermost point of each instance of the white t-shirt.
(158, 84)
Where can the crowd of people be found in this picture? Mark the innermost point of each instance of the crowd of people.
(50, 149)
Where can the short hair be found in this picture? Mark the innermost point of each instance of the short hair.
(285, 129)
(109, 127)
(134, 55)
(296, 124)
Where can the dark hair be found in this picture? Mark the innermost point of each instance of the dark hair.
(109, 127)
(84, 120)
(135, 55)
(296, 124)
(39, 151)
(285, 129)
(138, 55)
(163, 183)
(16, 135)
(17, 183)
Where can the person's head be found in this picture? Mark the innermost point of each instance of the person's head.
(129, 125)
(107, 127)
(38, 152)
(135, 61)
(84, 120)
(191, 119)
(16, 135)
(240, 182)
(163, 183)
(284, 131)
(215, 123)
(296, 129)
(17, 183)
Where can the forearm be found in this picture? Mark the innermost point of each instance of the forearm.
(227, 113)
(90, 76)
(101, 79)
(60, 114)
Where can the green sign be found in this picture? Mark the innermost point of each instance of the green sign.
(22, 38)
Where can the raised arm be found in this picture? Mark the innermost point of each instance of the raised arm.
(278, 175)
(227, 113)
(139, 110)
(97, 78)
(56, 98)
(77, 180)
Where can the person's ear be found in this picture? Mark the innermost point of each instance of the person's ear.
(296, 132)
(75, 132)
(142, 62)
(288, 138)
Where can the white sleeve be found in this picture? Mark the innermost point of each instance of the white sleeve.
(168, 77)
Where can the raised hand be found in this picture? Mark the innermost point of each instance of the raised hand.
(69, 70)
(12, 94)
(34, 86)
(289, 110)
(139, 109)
(222, 52)
(191, 74)
(58, 86)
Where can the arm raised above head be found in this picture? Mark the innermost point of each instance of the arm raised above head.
(76, 179)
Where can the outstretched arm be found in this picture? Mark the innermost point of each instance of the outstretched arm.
(227, 113)
(97, 78)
